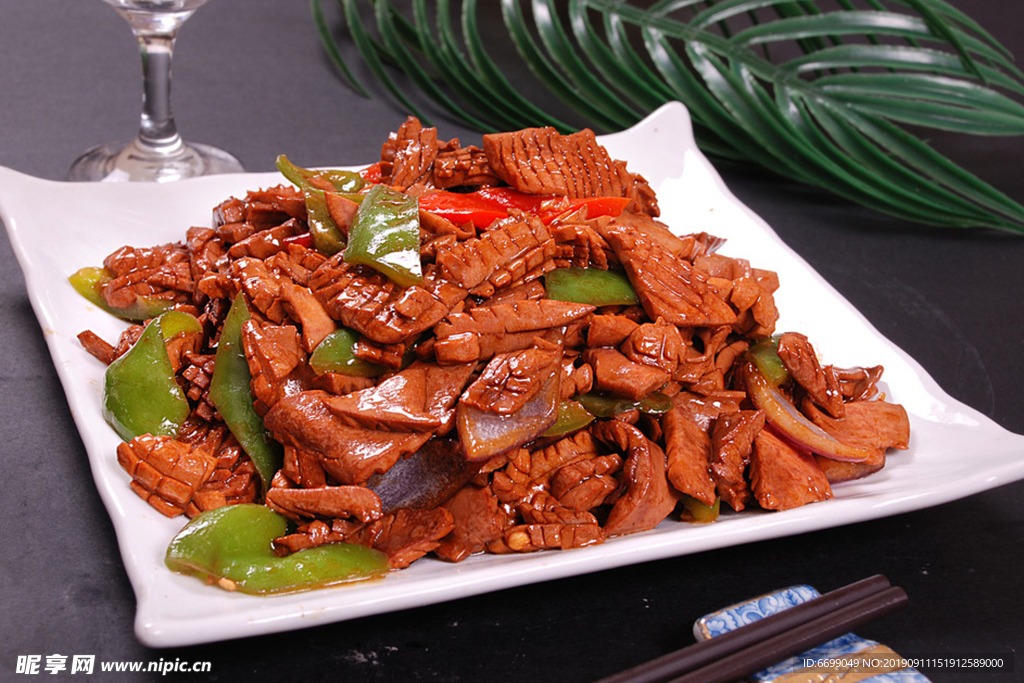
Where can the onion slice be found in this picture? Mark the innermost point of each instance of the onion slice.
(791, 424)
(485, 434)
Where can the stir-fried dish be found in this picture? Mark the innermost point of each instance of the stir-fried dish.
(459, 350)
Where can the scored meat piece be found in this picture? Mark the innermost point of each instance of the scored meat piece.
(235, 219)
(783, 477)
(297, 263)
(309, 535)
(273, 205)
(180, 346)
(615, 373)
(376, 307)
(695, 363)
(457, 166)
(667, 287)
(819, 381)
(688, 448)
(391, 356)
(528, 471)
(658, 344)
(534, 289)
(585, 484)
(732, 441)
(406, 535)
(609, 330)
(101, 349)
(647, 498)
(197, 374)
(499, 256)
(875, 425)
(303, 307)
(577, 378)
(703, 410)
(510, 380)
(339, 384)
(408, 155)
(541, 161)
(481, 332)
(684, 248)
(349, 454)
(364, 432)
(276, 362)
(727, 357)
(234, 479)
(165, 473)
(583, 244)
(261, 285)
(419, 398)
(162, 272)
(754, 300)
(544, 508)
(840, 470)
(266, 243)
(478, 519)
(356, 502)
(206, 251)
(859, 384)
(524, 538)
(721, 266)
(299, 468)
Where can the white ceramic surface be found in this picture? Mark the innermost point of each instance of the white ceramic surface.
(56, 228)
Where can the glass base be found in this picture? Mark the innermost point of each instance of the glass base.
(136, 162)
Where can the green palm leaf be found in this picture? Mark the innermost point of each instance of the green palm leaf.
(815, 90)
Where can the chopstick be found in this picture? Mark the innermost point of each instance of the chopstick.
(767, 641)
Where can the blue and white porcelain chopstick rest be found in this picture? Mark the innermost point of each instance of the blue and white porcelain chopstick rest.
(846, 659)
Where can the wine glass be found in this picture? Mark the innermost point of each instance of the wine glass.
(158, 152)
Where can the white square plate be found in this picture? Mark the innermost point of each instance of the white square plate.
(955, 451)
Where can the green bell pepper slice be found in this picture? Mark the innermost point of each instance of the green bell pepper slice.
(572, 417)
(231, 394)
(343, 181)
(604, 405)
(140, 394)
(327, 238)
(88, 281)
(385, 235)
(231, 547)
(698, 512)
(765, 356)
(334, 354)
(590, 286)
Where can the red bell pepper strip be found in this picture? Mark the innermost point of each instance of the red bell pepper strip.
(304, 239)
(488, 204)
(372, 174)
(462, 208)
(600, 206)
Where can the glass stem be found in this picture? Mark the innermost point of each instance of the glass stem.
(156, 126)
